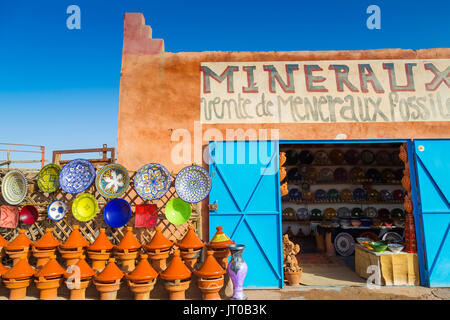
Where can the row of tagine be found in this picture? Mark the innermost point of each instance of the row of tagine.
(151, 182)
(106, 275)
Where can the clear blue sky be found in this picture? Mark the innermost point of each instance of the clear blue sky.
(60, 87)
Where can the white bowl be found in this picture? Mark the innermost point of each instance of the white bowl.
(395, 247)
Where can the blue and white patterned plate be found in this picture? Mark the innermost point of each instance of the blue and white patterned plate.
(57, 210)
(152, 181)
(193, 184)
(76, 176)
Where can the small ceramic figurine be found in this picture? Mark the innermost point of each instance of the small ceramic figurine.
(237, 269)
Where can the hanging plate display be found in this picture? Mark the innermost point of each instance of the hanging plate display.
(112, 180)
(344, 244)
(85, 207)
(177, 211)
(193, 184)
(76, 176)
(48, 178)
(117, 213)
(57, 210)
(152, 181)
(367, 157)
(14, 187)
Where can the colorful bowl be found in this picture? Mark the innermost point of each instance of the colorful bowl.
(373, 175)
(14, 187)
(152, 181)
(356, 222)
(378, 246)
(361, 240)
(295, 194)
(329, 213)
(29, 214)
(395, 247)
(117, 213)
(367, 157)
(85, 207)
(386, 195)
(370, 212)
(76, 176)
(193, 184)
(325, 175)
(366, 222)
(345, 222)
(177, 211)
(344, 212)
(346, 195)
(112, 180)
(377, 223)
(316, 215)
(303, 214)
(48, 178)
(57, 210)
(321, 157)
(320, 195)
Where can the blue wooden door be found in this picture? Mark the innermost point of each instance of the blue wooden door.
(432, 160)
(246, 190)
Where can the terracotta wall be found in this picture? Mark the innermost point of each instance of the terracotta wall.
(160, 92)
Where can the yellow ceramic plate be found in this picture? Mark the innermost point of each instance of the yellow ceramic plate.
(48, 179)
(85, 207)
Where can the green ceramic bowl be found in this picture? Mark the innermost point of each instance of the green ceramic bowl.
(378, 246)
(178, 211)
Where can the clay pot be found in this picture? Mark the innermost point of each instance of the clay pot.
(84, 273)
(293, 278)
(142, 279)
(190, 247)
(108, 281)
(74, 246)
(19, 247)
(219, 244)
(210, 277)
(177, 276)
(128, 250)
(44, 248)
(158, 250)
(49, 278)
(3, 244)
(18, 278)
(100, 251)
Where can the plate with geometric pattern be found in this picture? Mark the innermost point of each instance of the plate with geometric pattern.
(76, 176)
(112, 180)
(193, 184)
(152, 181)
(14, 187)
(48, 178)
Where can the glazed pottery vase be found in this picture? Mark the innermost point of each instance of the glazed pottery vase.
(237, 269)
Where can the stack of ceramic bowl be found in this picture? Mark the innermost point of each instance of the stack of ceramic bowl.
(345, 222)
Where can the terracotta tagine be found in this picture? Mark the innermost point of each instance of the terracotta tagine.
(100, 251)
(107, 282)
(49, 278)
(18, 278)
(292, 271)
(78, 278)
(19, 247)
(72, 249)
(210, 277)
(190, 248)
(3, 244)
(142, 279)
(44, 248)
(128, 250)
(177, 276)
(158, 250)
(219, 244)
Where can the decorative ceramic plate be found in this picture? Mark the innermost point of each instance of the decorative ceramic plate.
(9, 217)
(370, 212)
(193, 184)
(321, 157)
(48, 178)
(112, 180)
(344, 212)
(383, 158)
(320, 194)
(336, 156)
(367, 157)
(117, 213)
(177, 211)
(57, 210)
(305, 157)
(302, 214)
(351, 156)
(76, 176)
(152, 181)
(344, 244)
(325, 175)
(85, 207)
(391, 236)
(14, 187)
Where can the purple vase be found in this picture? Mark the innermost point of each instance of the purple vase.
(237, 270)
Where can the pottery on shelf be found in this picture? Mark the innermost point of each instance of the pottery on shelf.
(237, 269)
(100, 251)
(158, 250)
(49, 278)
(73, 248)
(128, 250)
(107, 282)
(219, 244)
(210, 277)
(142, 279)
(18, 278)
(19, 247)
(190, 247)
(177, 276)
(78, 278)
(44, 248)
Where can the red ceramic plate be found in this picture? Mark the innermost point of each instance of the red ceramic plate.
(29, 214)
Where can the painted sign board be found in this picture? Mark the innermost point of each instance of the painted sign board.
(325, 91)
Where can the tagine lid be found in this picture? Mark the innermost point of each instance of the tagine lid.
(51, 269)
(176, 270)
(190, 240)
(143, 271)
(75, 240)
(3, 269)
(111, 273)
(3, 242)
(102, 242)
(86, 271)
(20, 242)
(47, 241)
(22, 270)
(129, 241)
(210, 268)
(220, 239)
(159, 241)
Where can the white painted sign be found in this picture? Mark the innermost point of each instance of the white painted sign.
(325, 91)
